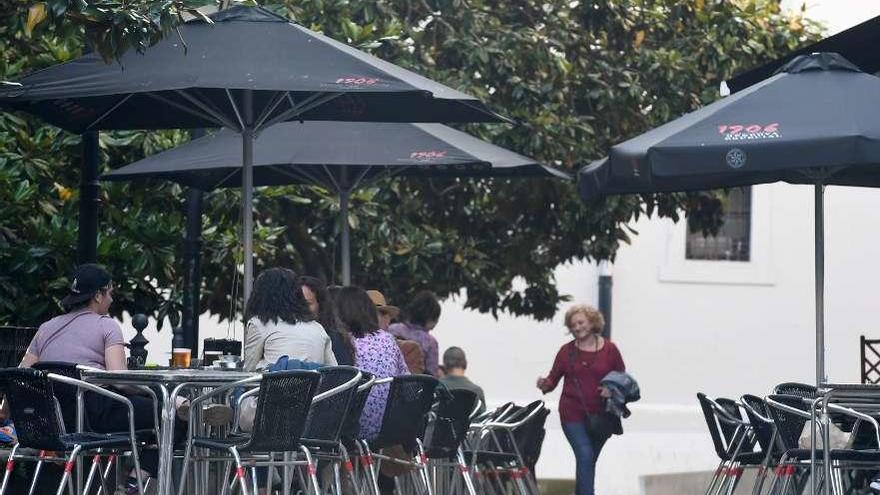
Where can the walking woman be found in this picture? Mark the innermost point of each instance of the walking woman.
(583, 362)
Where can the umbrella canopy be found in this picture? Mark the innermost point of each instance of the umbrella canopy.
(814, 122)
(857, 44)
(246, 71)
(288, 71)
(340, 156)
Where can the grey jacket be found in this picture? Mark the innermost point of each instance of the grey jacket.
(624, 389)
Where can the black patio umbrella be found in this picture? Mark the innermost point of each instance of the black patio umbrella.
(813, 122)
(247, 71)
(857, 44)
(340, 156)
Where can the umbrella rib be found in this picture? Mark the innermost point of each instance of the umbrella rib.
(225, 178)
(111, 110)
(205, 108)
(191, 111)
(304, 177)
(333, 180)
(277, 99)
(310, 103)
(357, 181)
(235, 108)
(294, 108)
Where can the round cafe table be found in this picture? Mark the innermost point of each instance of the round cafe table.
(170, 382)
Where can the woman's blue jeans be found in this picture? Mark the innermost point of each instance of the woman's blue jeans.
(585, 454)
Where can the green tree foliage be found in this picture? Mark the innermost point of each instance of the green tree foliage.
(578, 76)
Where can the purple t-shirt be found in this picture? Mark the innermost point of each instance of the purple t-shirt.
(79, 337)
(379, 354)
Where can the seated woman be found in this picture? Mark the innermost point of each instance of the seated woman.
(376, 351)
(279, 323)
(321, 305)
(87, 335)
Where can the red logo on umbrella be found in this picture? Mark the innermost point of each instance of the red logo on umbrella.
(749, 132)
(357, 81)
(427, 156)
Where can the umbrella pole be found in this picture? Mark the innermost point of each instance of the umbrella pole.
(820, 281)
(247, 197)
(344, 195)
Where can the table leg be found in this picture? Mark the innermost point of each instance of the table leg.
(166, 431)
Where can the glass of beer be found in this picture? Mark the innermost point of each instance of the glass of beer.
(180, 357)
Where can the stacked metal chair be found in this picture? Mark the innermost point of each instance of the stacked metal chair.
(495, 448)
(734, 442)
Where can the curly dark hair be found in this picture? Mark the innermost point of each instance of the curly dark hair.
(424, 307)
(356, 311)
(277, 295)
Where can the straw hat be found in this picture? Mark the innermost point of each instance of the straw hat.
(382, 305)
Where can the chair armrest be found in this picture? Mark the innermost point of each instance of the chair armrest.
(100, 391)
(725, 416)
(218, 391)
(788, 409)
(250, 393)
(368, 384)
(758, 415)
(858, 415)
(152, 394)
(337, 390)
(477, 405)
(513, 426)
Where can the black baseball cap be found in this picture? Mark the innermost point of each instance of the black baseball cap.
(88, 279)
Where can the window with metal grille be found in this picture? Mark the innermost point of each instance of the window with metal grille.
(733, 242)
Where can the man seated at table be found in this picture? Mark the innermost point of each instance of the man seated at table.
(455, 364)
(85, 334)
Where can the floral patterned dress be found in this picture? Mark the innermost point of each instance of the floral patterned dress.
(379, 354)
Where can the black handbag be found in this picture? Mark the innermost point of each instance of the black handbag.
(602, 425)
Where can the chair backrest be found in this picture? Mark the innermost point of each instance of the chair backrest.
(719, 440)
(450, 423)
(409, 400)
(352, 426)
(756, 411)
(788, 424)
(283, 405)
(732, 408)
(14, 342)
(64, 393)
(530, 435)
(796, 389)
(327, 418)
(33, 408)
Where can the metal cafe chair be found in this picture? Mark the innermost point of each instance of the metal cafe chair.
(733, 440)
(410, 398)
(283, 402)
(495, 451)
(447, 428)
(36, 413)
(328, 417)
(791, 415)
